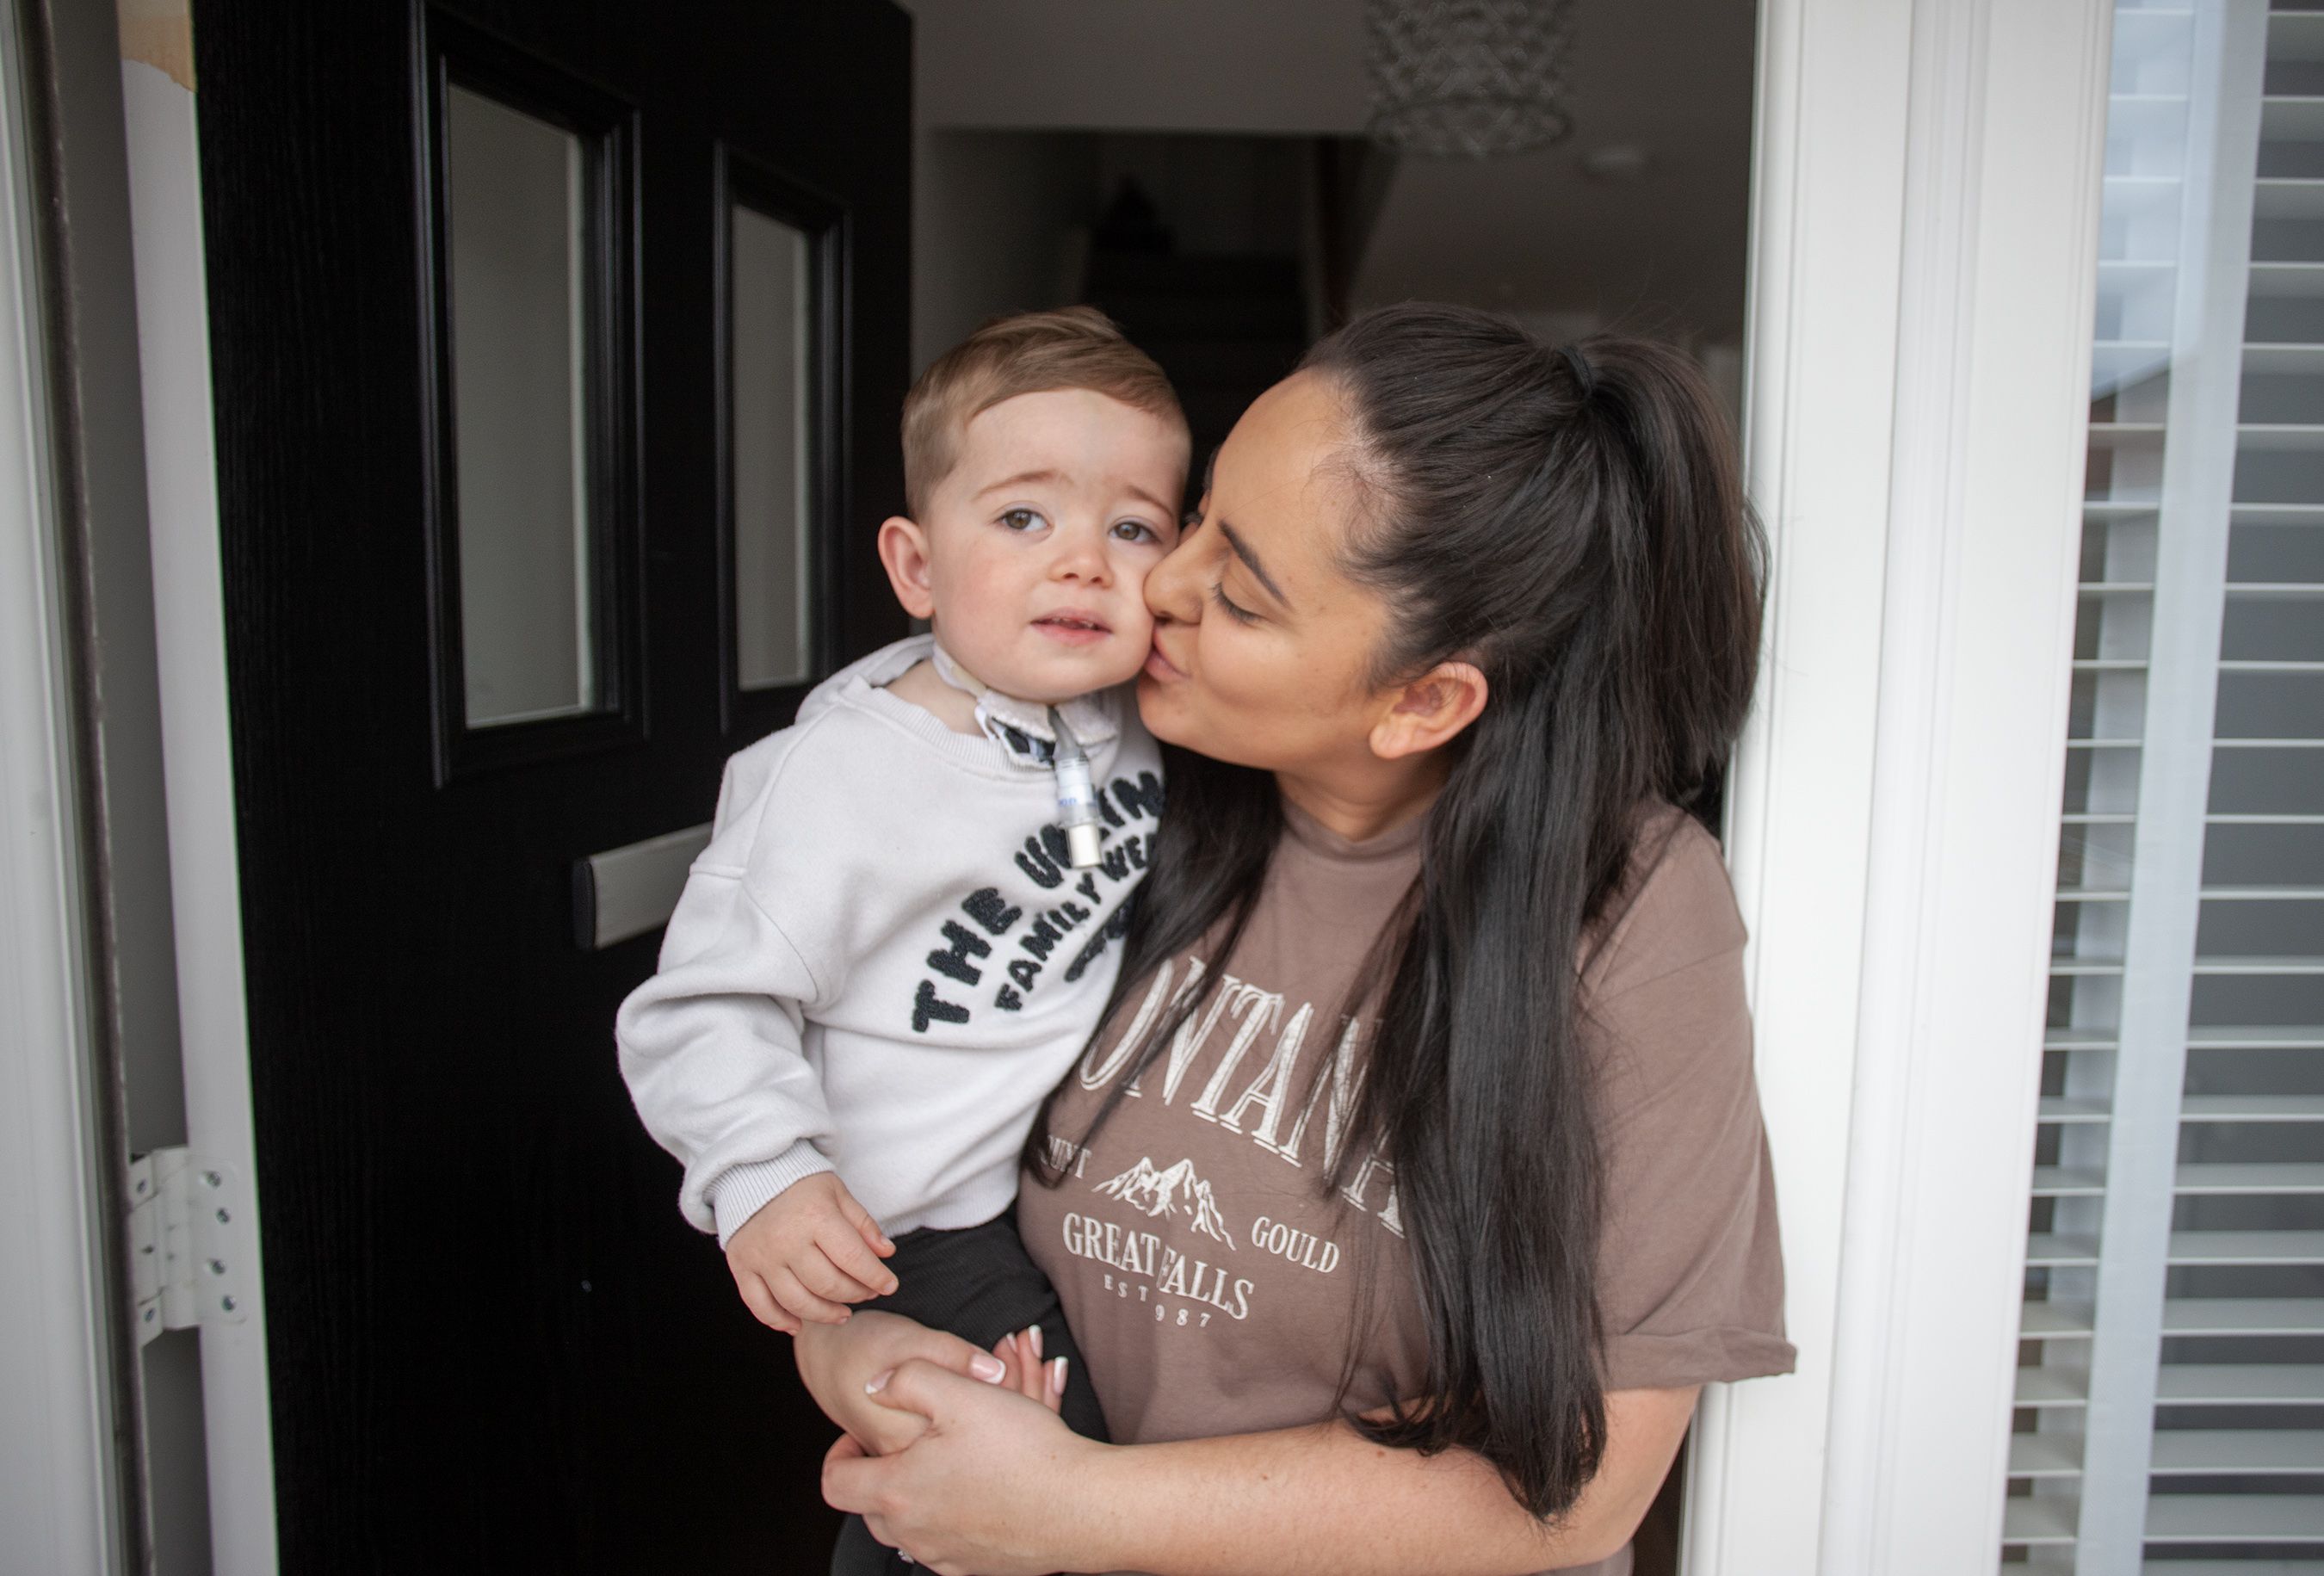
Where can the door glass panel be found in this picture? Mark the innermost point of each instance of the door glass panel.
(519, 289)
(771, 272)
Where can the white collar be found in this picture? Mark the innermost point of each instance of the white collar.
(1000, 715)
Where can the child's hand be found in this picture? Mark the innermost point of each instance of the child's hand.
(808, 1253)
(1027, 1375)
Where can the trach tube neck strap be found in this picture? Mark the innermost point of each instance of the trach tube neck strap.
(1055, 737)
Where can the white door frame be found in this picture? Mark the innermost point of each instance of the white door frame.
(1924, 237)
(165, 204)
(61, 1491)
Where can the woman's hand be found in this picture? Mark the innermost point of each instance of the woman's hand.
(977, 1489)
(839, 1361)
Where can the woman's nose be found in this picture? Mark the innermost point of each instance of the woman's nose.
(1172, 592)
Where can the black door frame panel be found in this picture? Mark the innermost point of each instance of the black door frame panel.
(450, 53)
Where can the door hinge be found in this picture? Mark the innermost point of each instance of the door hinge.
(189, 1243)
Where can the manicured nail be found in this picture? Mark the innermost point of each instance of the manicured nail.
(1033, 1340)
(879, 1381)
(1057, 1378)
(987, 1367)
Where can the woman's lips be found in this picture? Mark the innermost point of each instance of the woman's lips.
(1159, 666)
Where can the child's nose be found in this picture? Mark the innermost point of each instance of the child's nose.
(1081, 556)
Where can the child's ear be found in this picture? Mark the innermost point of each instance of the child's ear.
(904, 553)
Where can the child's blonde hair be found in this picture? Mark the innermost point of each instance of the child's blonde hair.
(1072, 347)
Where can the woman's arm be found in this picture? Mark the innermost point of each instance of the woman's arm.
(835, 1361)
(997, 1487)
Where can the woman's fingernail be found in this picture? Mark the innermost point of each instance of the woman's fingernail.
(879, 1381)
(1057, 1378)
(986, 1367)
(1033, 1340)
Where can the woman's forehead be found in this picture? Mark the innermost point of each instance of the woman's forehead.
(1281, 472)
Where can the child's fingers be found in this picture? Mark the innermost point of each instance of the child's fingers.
(848, 1250)
(865, 1226)
(763, 1304)
(794, 1298)
(819, 1275)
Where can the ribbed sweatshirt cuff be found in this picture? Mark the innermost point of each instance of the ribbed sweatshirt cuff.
(746, 1189)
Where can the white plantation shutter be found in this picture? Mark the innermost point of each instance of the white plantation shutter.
(2170, 1399)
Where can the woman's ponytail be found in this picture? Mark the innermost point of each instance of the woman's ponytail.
(1571, 521)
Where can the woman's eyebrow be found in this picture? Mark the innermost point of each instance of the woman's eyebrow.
(1251, 561)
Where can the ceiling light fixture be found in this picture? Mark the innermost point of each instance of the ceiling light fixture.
(1483, 79)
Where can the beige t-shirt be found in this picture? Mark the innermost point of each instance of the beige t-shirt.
(1212, 1288)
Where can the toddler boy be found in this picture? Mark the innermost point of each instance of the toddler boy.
(888, 955)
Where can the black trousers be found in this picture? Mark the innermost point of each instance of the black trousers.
(980, 1283)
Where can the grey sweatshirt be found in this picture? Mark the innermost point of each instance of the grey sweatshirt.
(882, 963)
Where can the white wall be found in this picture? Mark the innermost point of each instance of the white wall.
(1293, 66)
(996, 222)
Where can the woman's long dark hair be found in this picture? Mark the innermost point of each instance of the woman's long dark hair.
(1572, 522)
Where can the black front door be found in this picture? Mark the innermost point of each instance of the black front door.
(558, 349)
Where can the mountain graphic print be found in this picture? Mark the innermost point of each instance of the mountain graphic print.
(1156, 1193)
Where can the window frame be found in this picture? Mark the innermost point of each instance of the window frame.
(823, 220)
(453, 53)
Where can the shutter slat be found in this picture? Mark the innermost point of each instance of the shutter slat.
(2256, 1384)
(2247, 1248)
(2068, 1182)
(2244, 1317)
(2053, 1321)
(2235, 1518)
(2049, 1249)
(2044, 1455)
(2030, 1522)
(2288, 1178)
(2252, 1107)
(2053, 1386)
(2232, 1452)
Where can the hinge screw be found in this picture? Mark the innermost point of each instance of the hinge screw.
(226, 1303)
(213, 1178)
(223, 1217)
(217, 1266)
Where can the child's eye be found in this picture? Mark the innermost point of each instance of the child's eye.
(1135, 531)
(1022, 520)
(1241, 615)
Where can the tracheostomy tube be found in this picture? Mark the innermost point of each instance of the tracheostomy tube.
(1077, 815)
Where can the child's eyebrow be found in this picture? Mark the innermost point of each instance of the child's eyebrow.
(1143, 496)
(1023, 479)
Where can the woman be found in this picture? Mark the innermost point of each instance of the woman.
(1417, 1182)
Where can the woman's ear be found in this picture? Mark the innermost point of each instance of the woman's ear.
(1430, 711)
(904, 553)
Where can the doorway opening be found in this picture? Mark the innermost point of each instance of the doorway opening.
(1202, 172)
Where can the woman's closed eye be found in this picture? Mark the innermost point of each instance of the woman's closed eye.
(1241, 615)
(1022, 520)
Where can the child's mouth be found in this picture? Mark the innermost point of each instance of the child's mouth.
(1074, 629)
